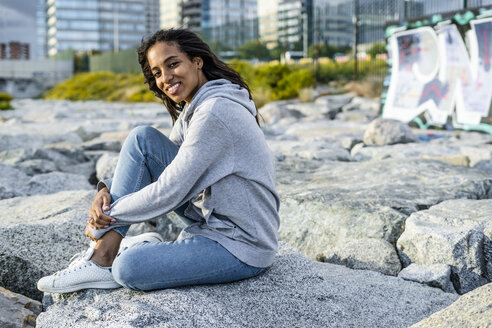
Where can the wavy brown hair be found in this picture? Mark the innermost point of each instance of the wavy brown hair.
(190, 44)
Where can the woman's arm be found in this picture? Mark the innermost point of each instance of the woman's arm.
(203, 158)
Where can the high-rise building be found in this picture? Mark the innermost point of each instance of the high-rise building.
(41, 29)
(3, 51)
(229, 23)
(332, 22)
(152, 16)
(98, 24)
(15, 50)
(286, 23)
(170, 13)
(268, 22)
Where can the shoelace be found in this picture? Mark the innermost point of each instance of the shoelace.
(77, 261)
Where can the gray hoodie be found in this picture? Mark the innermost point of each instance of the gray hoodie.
(223, 170)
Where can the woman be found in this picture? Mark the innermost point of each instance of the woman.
(215, 171)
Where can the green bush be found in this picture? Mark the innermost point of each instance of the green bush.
(267, 81)
(5, 100)
(107, 86)
(291, 84)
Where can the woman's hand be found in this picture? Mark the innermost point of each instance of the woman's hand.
(97, 219)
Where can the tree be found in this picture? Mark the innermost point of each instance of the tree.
(276, 52)
(376, 48)
(325, 50)
(254, 49)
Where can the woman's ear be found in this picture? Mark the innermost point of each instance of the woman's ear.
(198, 61)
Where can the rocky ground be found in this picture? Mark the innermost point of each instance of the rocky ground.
(381, 225)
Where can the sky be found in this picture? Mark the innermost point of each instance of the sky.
(18, 22)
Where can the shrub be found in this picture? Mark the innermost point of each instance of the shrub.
(290, 85)
(267, 81)
(5, 100)
(107, 86)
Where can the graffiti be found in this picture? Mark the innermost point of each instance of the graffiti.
(435, 74)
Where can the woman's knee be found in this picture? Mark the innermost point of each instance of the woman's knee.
(141, 133)
(125, 270)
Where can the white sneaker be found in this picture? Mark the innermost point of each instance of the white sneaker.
(80, 274)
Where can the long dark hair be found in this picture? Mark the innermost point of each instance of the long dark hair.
(190, 44)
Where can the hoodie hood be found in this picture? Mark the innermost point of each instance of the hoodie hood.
(220, 88)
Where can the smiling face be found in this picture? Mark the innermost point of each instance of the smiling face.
(175, 74)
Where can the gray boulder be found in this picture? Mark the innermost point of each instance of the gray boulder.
(56, 222)
(315, 150)
(434, 275)
(17, 311)
(63, 157)
(455, 232)
(331, 105)
(326, 204)
(477, 153)
(293, 292)
(106, 165)
(409, 150)
(102, 144)
(12, 182)
(365, 254)
(470, 310)
(35, 140)
(37, 166)
(382, 132)
(274, 111)
(54, 182)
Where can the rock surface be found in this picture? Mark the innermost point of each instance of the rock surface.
(382, 132)
(293, 292)
(435, 275)
(366, 254)
(455, 232)
(17, 311)
(57, 222)
(471, 310)
(342, 201)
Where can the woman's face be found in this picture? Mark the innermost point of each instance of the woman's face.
(175, 74)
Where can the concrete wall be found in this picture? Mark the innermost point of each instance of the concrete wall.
(29, 79)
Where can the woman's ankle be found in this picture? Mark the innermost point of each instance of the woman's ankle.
(106, 248)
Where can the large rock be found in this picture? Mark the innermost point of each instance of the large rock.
(382, 132)
(435, 275)
(328, 204)
(273, 112)
(12, 182)
(63, 157)
(366, 254)
(314, 150)
(39, 235)
(106, 165)
(294, 291)
(455, 232)
(473, 309)
(17, 311)
(409, 150)
(20, 140)
(54, 182)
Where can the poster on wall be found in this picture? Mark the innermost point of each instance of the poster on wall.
(438, 74)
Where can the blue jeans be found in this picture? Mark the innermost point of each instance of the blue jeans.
(146, 266)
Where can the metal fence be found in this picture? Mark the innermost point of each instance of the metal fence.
(372, 17)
